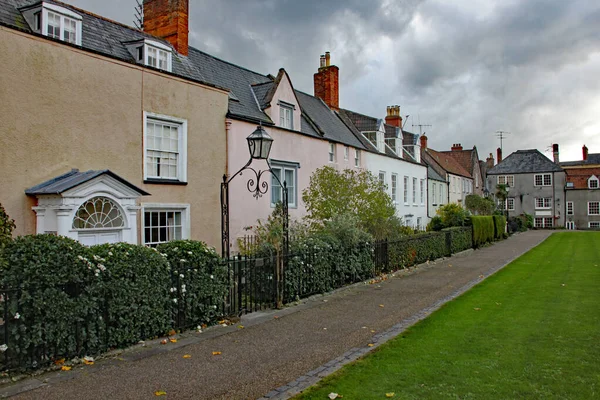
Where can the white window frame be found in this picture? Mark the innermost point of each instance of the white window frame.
(286, 115)
(510, 204)
(422, 187)
(357, 158)
(597, 207)
(543, 222)
(182, 142)
(542, 203)
(596, 184)
(382, 178)
(542, 178)
(332, 152)
(166, 207)
(414, 190)
(40, 15)
(570, 208)
(441, 194)
(433, 194)
(293, 193)
(346, 152)
(508, 180)
(406, 182)
(594, 224)
(394, 188)
(160, 49)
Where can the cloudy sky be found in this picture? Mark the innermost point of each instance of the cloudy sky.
(468, 68)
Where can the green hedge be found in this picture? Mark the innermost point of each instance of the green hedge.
(483, 229)
(66, 300)
(499, 226)
(460, 238)
(417, 249)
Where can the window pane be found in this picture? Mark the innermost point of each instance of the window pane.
(53, 25)
(275, 187)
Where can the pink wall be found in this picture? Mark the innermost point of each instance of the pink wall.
(309, 152)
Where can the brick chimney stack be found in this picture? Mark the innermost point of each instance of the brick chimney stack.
(326, 82)
(393, 116)
(584, 150)
(168, 19)
(490, 161)
(456, 147)
(499, 154)
(555, 152)
(424, 142)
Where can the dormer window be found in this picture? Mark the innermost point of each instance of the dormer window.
(152, 53)
(54, 21)
(593, 182)
(286, 115)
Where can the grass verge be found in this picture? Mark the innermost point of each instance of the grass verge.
(530, 331)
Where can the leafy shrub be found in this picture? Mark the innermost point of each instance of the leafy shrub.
(460, 238)
(51, 308)
(483, 230)
(453, 215)
(7, 225)
(417, 249)
(479, 205)
(499, 226)
(435, 224)
(200, 281)
(135, 287)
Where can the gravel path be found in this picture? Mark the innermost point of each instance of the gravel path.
(276, 347)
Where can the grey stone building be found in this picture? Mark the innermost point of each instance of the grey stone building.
(536, 187)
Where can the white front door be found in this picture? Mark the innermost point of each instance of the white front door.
(91, 238)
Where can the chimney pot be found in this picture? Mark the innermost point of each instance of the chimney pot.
(327, 59)
(499, 155)
(456, 147)
(490, 161)
(555, 152)
(393, 116)
(424, 142)
(584, 150)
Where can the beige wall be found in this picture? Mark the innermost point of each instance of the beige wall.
(63, 108)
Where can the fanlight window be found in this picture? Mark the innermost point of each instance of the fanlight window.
(98, 212)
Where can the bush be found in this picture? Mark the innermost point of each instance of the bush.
(135, 288)
(453, 215)
(416, 249)
(499, 226)
(7, 226)
(201, 282)
(460, 239)
(483, 230)
(52, 310)
(479, 205)
(435, 224)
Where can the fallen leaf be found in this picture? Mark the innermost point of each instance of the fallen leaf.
(364, 327)
(390, 394)
(324, 329)
(477, 309)
(241, 326)
(172, 340)
(160, 393)
(172, 332)
(203, 326)
(372, 330)
(498, 304)
(449, 265)
(370, 345)
(562, 284)
(381, 305)
(222, 322)
(481, 276)
(333, 396)
(187, 356)
(276, 317)
(216, 353)
(88, 362)
(65, 368)
(59, 362)
(164, 341)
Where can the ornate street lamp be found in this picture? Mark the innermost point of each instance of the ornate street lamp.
(259, 146)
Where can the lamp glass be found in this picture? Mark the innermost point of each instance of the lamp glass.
(259, 144)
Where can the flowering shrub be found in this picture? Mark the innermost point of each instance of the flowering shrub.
(133, 281)
(199, 282)
(7, 225)
(51, 310)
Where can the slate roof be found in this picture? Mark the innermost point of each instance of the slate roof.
(432, 174)
(74, 178)
(262, 92)
(328, 125)
(363, 123)
(448, 163)
(593, 159)
(524, 162)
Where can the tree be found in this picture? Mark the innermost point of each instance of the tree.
(479, 205)
(452, 215)
(349, 192)
(502, 194)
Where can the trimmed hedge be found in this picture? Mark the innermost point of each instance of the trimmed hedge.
(68, 300)
(417, 249)
(499, 226)
(483, 229)
(460, 239)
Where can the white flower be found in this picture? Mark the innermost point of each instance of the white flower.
(215, 307)
(101, 267)
(182, 287)
(110, 253)
(182, 260)
(172, 290)
(81, 258)
(3, 348)
(212, 277)
(17, 316)
(176, 248)
(97, 272)
(183, 290)
(181, 276)
(175, 301)
(190, 253)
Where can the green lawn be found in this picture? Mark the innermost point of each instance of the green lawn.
(530, 331)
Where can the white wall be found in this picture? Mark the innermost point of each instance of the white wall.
(410, 212)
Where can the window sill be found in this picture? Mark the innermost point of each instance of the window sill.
(164, 182)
